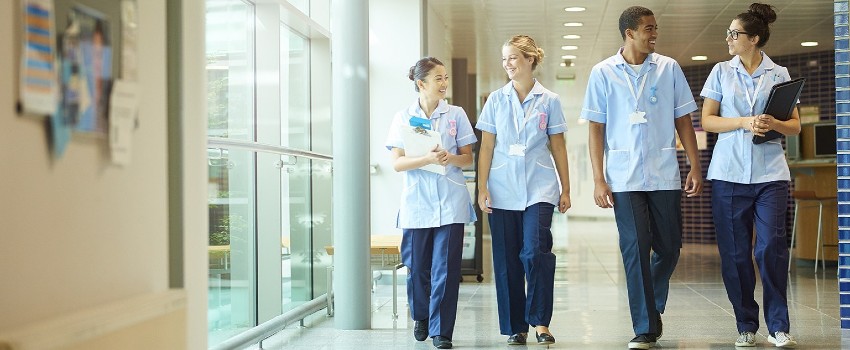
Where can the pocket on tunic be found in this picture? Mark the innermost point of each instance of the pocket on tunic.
(669, 164)
(617, 165)
(549, 166)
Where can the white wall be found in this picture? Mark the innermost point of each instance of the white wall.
(394, 46)
(79, 232)
(439, 43)
(581, 174)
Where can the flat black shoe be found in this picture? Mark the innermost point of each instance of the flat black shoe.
(420, 330)
(516, 339)
(545, 339)
(441, 342)
(660, 328)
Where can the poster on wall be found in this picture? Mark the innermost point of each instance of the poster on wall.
(85, 71)
(38, 86)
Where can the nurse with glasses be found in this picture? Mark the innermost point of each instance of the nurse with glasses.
(750, 182)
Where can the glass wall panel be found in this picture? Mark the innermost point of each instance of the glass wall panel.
(303, 5)
(231, 249)
(295, 92)
(322, 181)
(232, 173)
(297, 223)
(230, 69)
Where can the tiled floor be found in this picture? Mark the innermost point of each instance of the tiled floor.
(591, 307)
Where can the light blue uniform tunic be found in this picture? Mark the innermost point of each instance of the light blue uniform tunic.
(429, 199)
(517, 182)
(736, 158)
(639, 157)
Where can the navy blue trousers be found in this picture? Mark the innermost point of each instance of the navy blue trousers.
(648, 221)
(432, 257)
(523, 258)
(735, 208)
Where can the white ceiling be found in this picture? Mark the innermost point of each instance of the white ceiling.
(476, 29)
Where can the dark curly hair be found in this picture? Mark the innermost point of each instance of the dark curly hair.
(757, 20)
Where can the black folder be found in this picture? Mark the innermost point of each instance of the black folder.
(780, 104)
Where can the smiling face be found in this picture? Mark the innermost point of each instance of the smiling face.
(435, 84)
(744, 43)
(642, 39)
(515, 63)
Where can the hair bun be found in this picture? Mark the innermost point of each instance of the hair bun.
(410, 74)
(763, 12)
(540, 53)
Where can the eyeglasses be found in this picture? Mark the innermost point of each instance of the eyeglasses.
(734, 33)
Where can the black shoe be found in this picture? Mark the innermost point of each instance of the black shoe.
(545, 339)
(420, 330)
(660, 328)
(643, 341)
(441, 342)
(516, 339)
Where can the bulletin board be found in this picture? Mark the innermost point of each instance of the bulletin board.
(87, 41)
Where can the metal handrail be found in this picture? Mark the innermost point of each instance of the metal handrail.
(221, 142)
(270, 327)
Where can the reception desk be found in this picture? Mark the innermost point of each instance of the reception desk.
(817, 175)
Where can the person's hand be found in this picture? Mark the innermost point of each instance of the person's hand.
(602, 195)
(749, 124)
(564, 203)
(437, 156)
(693, 183)
(443, 157)
(484, 201)
(764, 122)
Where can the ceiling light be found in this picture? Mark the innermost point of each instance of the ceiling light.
(573, 24)
(568, 57)
(699, 58)
(572, 36)
(563, 64)
(809, 43)
(572, 64)
(569, 47)
(575, 9)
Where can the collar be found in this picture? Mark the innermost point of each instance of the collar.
(537, 89)
(621, 63)
(765, 65)
(415, 110)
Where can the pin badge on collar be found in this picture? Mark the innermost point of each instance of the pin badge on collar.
(452, 127)
(652, 98)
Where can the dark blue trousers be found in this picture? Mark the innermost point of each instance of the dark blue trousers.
(432, 257)
(648, 221)
(735, 208)
(523, 258)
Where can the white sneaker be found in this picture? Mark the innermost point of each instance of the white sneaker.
(746, 339)
(782, 340)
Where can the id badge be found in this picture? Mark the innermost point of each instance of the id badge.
(637, 117)
(517, 150)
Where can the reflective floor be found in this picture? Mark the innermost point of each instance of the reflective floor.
(591, 306)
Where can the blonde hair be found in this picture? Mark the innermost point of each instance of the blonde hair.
(528, 47)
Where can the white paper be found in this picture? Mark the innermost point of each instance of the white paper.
(123, 106)
(418, 144)
(130, 39)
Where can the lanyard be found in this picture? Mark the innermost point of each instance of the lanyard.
(632, 88)
(752, 100)
(527, 116)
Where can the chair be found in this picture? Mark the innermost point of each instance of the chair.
(810, 197)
